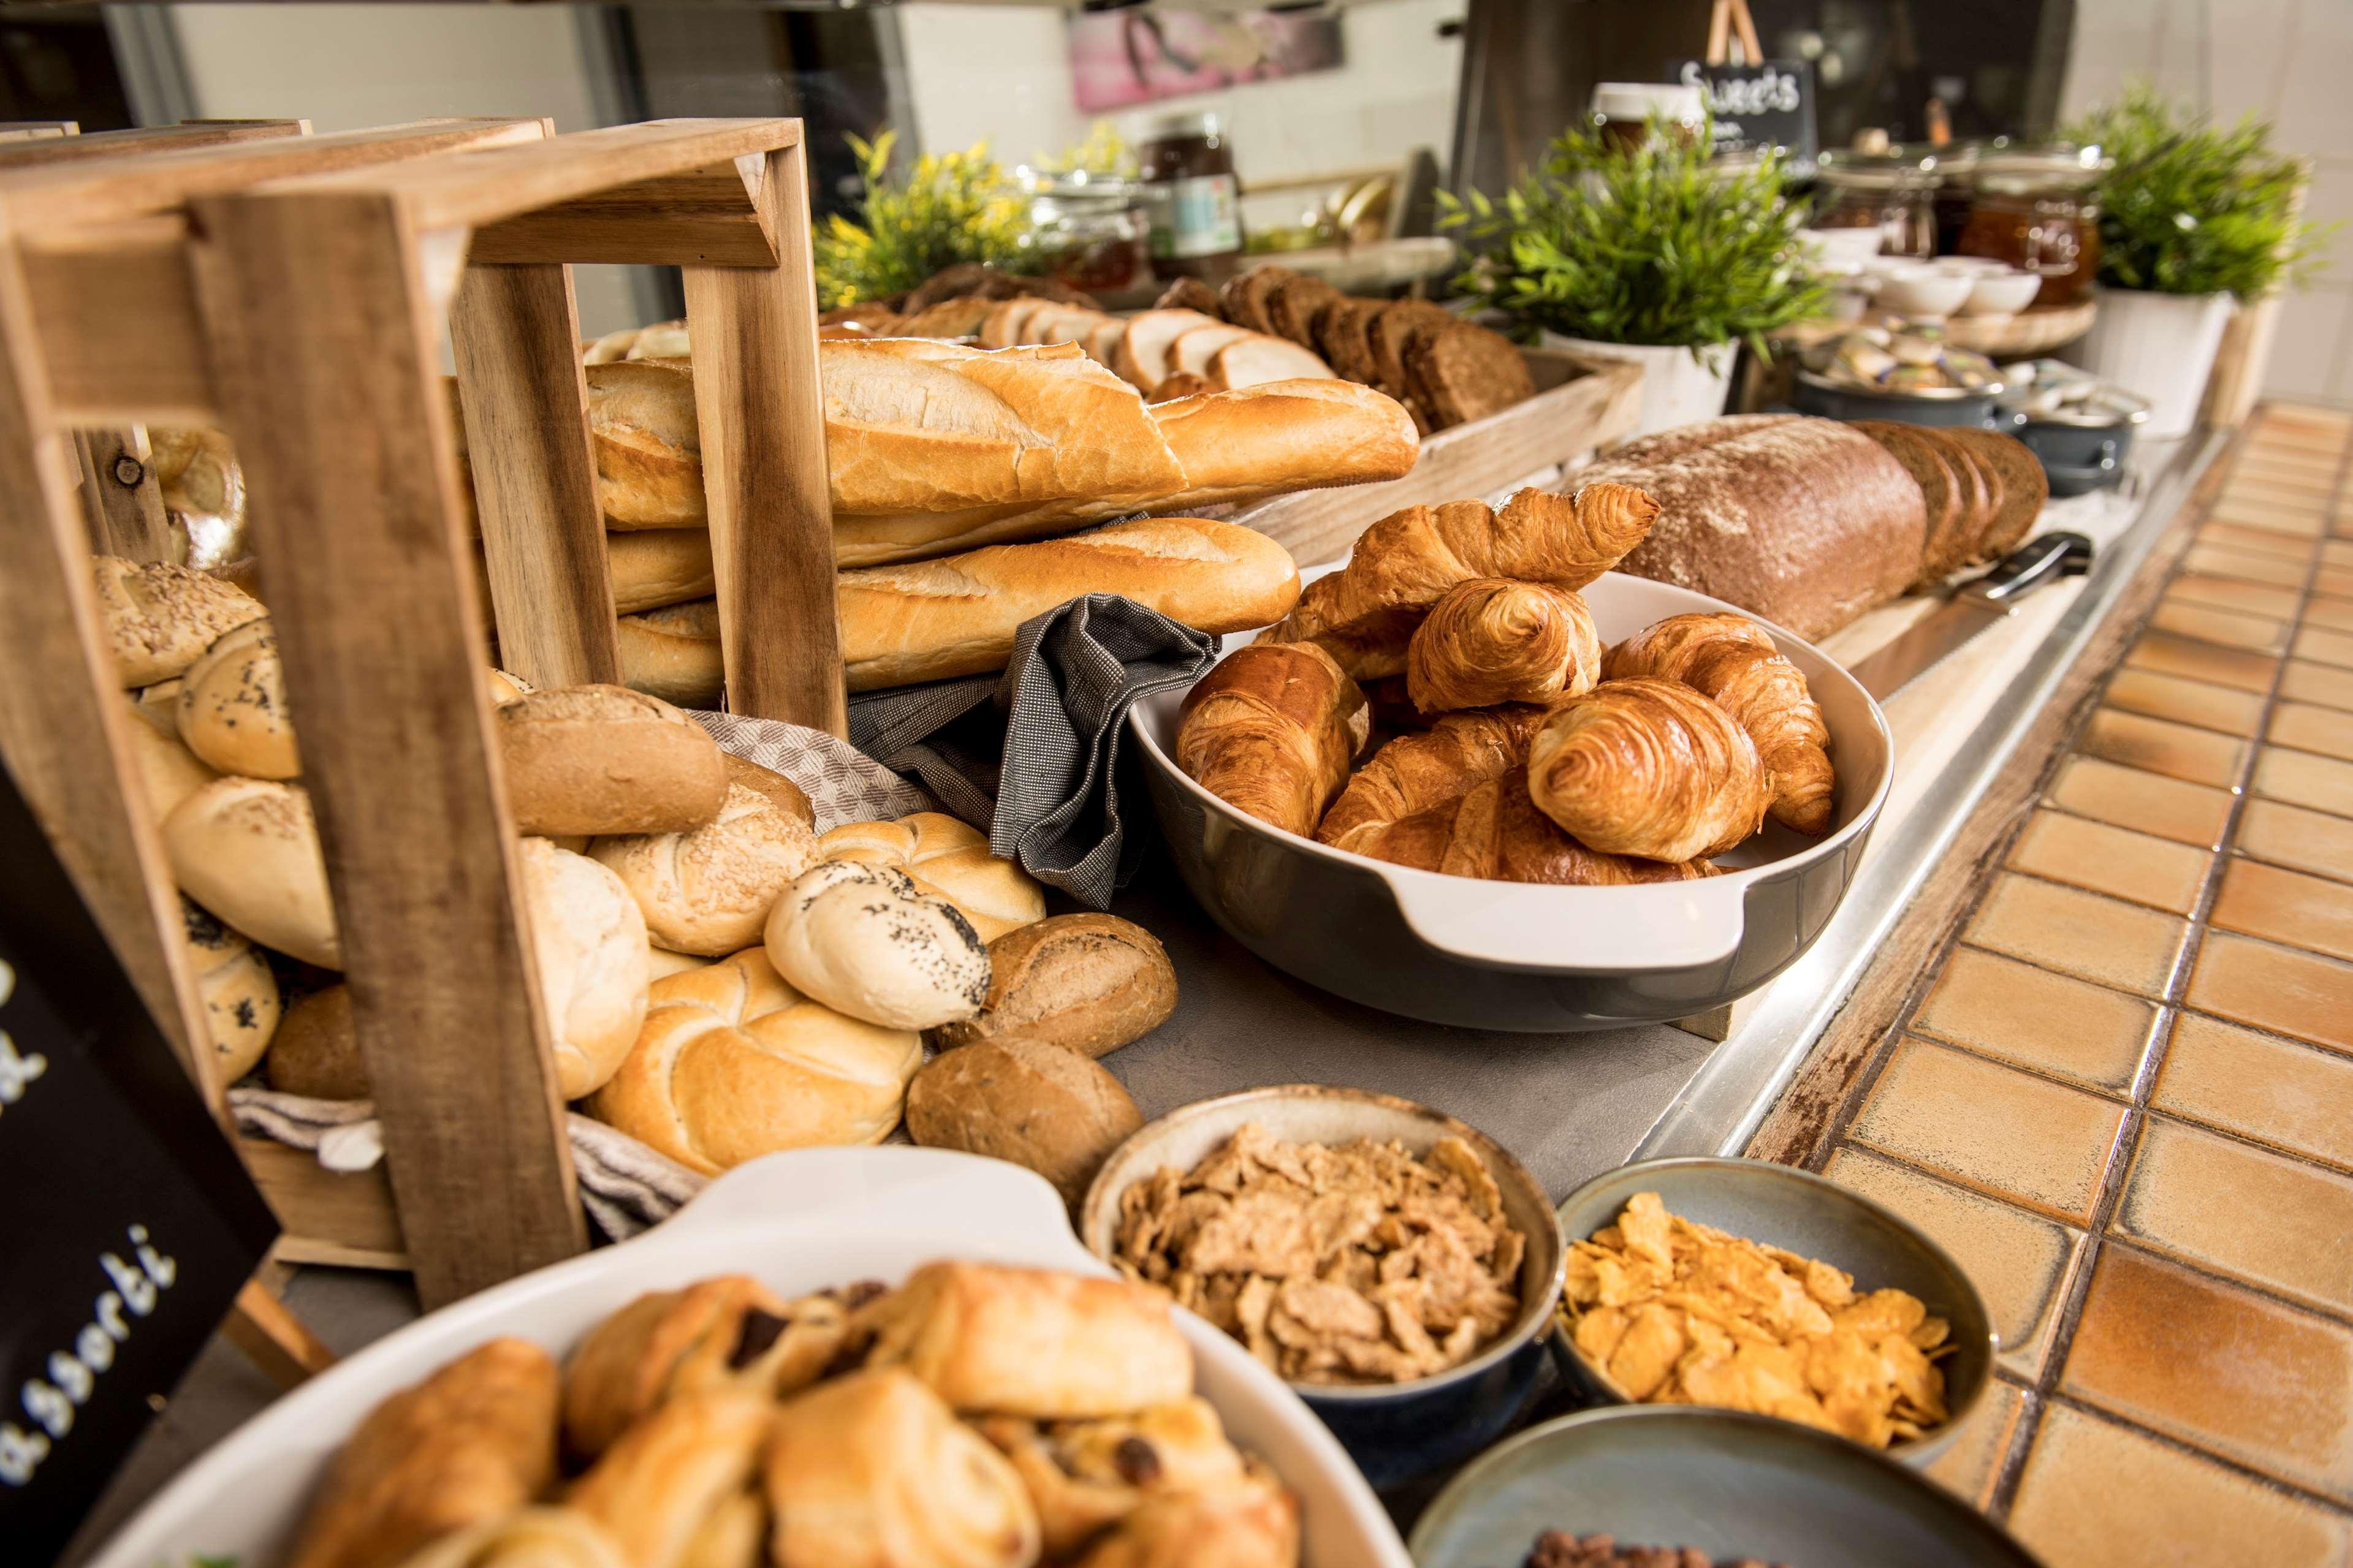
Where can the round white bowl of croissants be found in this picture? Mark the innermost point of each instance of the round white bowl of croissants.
(1478, 777)
(836, 1358)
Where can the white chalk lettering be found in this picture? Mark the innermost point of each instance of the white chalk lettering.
(49, 1402)
(16, 1071)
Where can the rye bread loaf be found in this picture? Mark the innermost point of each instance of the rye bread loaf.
(2024, 487)
(1935, 467)
(1804, 521)
(1464, 372)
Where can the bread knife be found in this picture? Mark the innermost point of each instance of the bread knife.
(1979, 603)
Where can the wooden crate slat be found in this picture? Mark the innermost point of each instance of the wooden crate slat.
(125, 520)
(120, 336)
(40, 153)
(703, 217)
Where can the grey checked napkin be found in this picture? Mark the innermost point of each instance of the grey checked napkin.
(1076, 671)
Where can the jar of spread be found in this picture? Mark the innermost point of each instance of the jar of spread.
(1893, 193)
(1192, 198)
(1624, 111)
(1088, 230)
(2034, 210)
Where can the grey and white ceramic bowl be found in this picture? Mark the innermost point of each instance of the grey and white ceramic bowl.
(1813, 1216)
(1394, 1432)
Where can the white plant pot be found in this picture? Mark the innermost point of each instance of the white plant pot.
(2161, 346)
(1677, 388)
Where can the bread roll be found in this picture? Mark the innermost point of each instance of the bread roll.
(732, 1063)
(948, 858)
(232, 708)
(316, 1051)
(203, 490)
(590, 943)
(603, 759)
(781, 792)
(673, 653)
(707, 891)
(865, 940)
(1490, 640)
(248, 850)
(653, 567)
(160, 618)
(958, 615)
(1042, 1107)
(1273, 730)
(168, 772)
(661, 962)
(1648, 768)
(1088, 983)
(240, 992)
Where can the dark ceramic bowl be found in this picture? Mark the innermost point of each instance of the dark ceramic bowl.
(1813, 1216)
(1730, 1484)
(1396, 1432)
(1810, 393)
(2079, 457)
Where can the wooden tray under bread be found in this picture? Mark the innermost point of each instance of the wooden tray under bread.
(1580, 405)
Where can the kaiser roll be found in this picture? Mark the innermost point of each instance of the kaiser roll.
(1089, 983)
(661, 962)
(168, 770)
(947, 857)
(732, 1063)
(709, 892)
(232, 707)
(248, 850)
(603, 759)
(590, 942)
(160, 618)
(865, 940)
(316, 1052)
(240, 992)
(1037, 1105)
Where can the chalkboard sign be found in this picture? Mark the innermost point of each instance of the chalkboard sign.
(1766, 105)
(129, 1225)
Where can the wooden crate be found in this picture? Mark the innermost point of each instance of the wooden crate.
(1580, 406)
(292, 293)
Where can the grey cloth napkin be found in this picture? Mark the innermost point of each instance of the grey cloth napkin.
(1043, 780)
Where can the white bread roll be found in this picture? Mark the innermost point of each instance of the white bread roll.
(657, 566)
(232, 707)
(661, 962)
(930, 619)
(160, 618)
(159, 705)
(590, 943)
(865, 940)
(673, 653)
(241, 1001)
(732, 1063)
(949, 859)
(603, 759)
(709, 892)
(168, 770)
(248, 850)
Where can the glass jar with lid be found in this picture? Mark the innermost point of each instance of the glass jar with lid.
(1193, 198)
(1086, 229)
(2033, 208)
(1893, 192)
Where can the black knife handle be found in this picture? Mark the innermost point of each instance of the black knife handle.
(2046, 557)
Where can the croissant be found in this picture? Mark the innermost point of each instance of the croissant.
(1086, 1476)
(1253, 1524)
(529, 1538)
(681, 1488)
(1492, 640)
(1649, 768)
(1495, 831)
(1272, 732)
(1363, 614)
(1732, 661)
(1414, 772)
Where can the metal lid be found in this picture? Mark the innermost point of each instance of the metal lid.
(2036, 171)
(1899, 169)
(1920, 393)
(1188, 122)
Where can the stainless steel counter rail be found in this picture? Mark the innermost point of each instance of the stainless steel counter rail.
(1720, 1108)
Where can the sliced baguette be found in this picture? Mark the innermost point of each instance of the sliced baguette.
(1255, 360)
(1191, 350)
(1142, 357)
(1005, 324)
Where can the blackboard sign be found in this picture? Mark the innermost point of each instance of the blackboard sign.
(1768, 105)
(129, 1225)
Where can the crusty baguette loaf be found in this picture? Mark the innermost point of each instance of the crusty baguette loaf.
(657, 566)
(673, 653)
(930, 620)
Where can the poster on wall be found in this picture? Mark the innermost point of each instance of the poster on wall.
(1120, 58)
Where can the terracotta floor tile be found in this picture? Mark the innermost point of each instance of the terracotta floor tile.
(2097, 1495)
(2332, 615)
(2276, 988)
(2301, 778)
(2287, 906)
(1992, 1128)
(2244, 542)
(2315, 480)
(2310, 728)
(2069, 1029)
(1971, 1468)
(2334, 581)
(2337, 551)
(2273, 569)
(2145, 802)
(2225, 628)
(2171, 655)
(2081, 933)
(2219, 1367)
(2198, 702)
(2111, 860)
(2160, 746)
(2302, 682)
(2290, 501)
(2326, 646)
(2276, 1223)
(2292, 522)
(2248, 598)
(2290, 836)
(2021, 1263)
(2294, 1096)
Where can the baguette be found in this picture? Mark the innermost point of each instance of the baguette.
(653, 567)
(932, 620)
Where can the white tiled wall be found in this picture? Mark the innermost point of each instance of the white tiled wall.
(2288, 61)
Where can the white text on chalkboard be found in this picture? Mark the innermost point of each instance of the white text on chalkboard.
(73, 1373)
(16, 1072)
(1773, 92)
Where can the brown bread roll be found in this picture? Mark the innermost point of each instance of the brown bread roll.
(1648, 768)
(316, 1052)
(603, 759)
(160, 618)
(1491, 640)
(232, 708)
(1273, 730)
(709, 890)
(247, 850)
(1089, 983)
(1042, 1107)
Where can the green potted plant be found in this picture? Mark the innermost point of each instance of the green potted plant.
(1647, 252)
(950, 207)
(2195, 218)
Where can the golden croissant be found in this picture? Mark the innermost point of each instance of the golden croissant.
(1414, 772)
(1649, 768)
(1495, 831)
(1272, 732)
(1731, 661)
(1364, 614)
(1492, 640)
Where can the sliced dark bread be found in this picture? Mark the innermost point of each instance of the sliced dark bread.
(1391, 328)
(1340, 338)
(1924, 457)
(2024, 488)
(1191, 294)
(1245, 293)
(1293, 306)
(1464, 372)
(1980, 495)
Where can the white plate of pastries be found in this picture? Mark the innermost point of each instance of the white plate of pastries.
(878, 1357)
